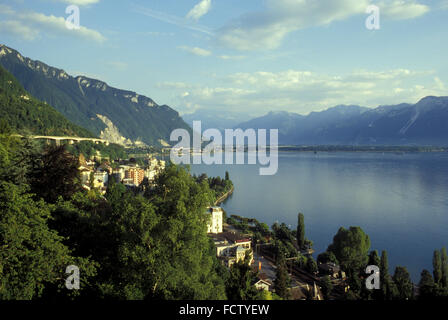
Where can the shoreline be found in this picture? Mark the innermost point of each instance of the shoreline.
(335, 148)
(224, 197)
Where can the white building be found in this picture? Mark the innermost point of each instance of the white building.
(214, 224)
(232, 247)
(154, 168)
(263, 284)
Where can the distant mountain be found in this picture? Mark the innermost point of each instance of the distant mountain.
(282, 120)
(423, 123)
(27, 115)
(215, 119)
(117, 115)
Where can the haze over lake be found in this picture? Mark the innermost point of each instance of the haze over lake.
(399, 200)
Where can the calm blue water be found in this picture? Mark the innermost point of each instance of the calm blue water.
(400, 201)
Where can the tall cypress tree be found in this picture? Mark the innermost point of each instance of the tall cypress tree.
(444, 267)
(384, 265)
(437, 267)
(282, 281)
(384, 276)
(374, 259)
(301, 231)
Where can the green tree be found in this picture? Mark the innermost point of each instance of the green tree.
(327, 257)
(387, 289)
(384, 265)
(437, 267)
(263, 228)
(301, 231)
(444, 267)
(426, 286)
(350, 248)
(87, 223)
(240, 285)
(185, 264)
(402, 280)
(311, 265)
(282, 281)
(374, 259)
(55, 174)
(327, 286)
(16, 157)
(32, 256)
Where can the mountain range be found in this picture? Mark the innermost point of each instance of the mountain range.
(423, 123)
(24, 114)
(120, 116)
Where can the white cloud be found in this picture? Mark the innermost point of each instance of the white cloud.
(226, 57)
(304, 91)
(17, 28)
(267, 29)
(196, 51)
(58, 25)
(401, 10)
(29, 25)
(199, 10)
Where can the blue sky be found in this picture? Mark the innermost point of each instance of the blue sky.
(250, 56)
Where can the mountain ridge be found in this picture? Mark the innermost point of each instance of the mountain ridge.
(422, 123)
(81, 99)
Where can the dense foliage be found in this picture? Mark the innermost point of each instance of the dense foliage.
(127, 246)
(27, 115)
(218, 186)
(90, 149)
(350, 247)
(33, 256)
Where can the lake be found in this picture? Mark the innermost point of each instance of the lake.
(399, 200)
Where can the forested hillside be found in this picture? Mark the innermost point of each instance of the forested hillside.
(26, 114)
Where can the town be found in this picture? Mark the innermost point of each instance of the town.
(96, 174)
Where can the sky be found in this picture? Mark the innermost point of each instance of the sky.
(251, 56)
